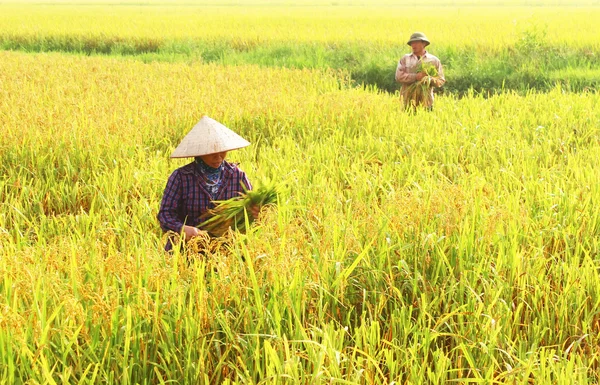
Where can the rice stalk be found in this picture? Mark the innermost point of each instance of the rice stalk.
(234, 213)
(417, 93)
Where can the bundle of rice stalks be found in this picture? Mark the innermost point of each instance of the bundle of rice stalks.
(232, 213)
(418, 92)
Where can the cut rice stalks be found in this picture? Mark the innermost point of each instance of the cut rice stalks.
(417, 93)
(235, 212)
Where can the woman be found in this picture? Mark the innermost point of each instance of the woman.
(191, 189)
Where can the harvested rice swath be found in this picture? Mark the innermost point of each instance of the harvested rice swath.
(230, 213)
(418, 92)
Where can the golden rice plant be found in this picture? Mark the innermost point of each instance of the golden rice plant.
(28, 23)
(407, 241)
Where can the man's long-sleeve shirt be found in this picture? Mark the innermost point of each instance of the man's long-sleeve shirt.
(406, 73)
(186, 197)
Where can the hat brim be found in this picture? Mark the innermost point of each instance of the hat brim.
(423, 40)
(197, 154)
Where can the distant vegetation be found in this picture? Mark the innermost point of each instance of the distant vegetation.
(486, 49)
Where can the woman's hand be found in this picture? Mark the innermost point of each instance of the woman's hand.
(254, 211)
(191, 232)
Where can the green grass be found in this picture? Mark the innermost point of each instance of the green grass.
(464, 69)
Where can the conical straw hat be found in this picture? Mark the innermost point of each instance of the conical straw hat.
(207, 137)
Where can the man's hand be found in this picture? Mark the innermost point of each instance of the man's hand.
(191, 232)
(421, 75)
(437, 82)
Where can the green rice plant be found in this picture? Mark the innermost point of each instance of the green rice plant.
(233, 213)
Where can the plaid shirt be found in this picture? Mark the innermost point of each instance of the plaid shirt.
(406, 73)
(186, 198)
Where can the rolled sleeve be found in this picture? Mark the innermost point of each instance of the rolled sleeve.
(402, 73)
(442, 79)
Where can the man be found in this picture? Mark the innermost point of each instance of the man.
(191, 189)
(406, 72)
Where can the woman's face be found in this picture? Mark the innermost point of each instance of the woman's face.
(214, 160)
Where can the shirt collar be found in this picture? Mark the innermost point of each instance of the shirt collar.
(191, 168)
(415, 56)
(206, 169)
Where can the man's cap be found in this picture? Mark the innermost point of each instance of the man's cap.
(418, 36)
(207, 137)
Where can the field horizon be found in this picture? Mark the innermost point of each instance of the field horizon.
(528, 50)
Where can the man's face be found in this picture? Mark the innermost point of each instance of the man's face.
(214, 160)
(417, 46)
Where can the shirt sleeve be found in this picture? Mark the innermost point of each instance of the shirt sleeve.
(245, 181)
(440, 71)
(171, 204)
(402, 73)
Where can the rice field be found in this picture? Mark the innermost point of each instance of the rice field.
(487, 46)
(454, 246)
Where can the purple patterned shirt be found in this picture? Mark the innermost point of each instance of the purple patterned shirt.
(186, 197)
